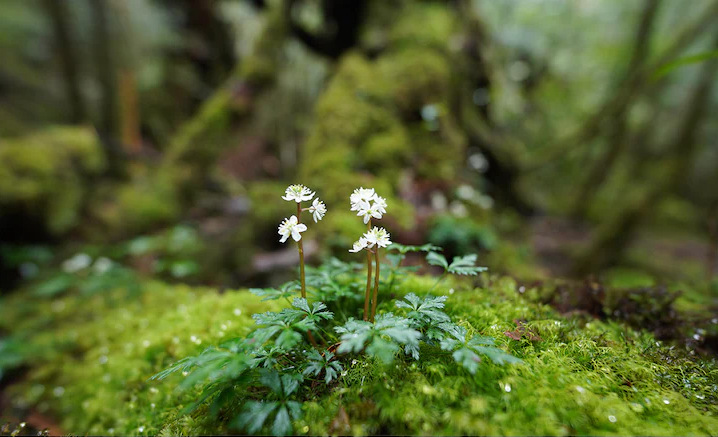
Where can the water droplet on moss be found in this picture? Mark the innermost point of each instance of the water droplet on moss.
(666, 401)
(612, 419)
(237, 312)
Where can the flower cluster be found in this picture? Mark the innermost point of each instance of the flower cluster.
(298, 193)
(374, 237)
(368, 204)
(291, 226)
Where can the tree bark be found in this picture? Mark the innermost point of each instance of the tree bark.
(69, 61)
(107, 125)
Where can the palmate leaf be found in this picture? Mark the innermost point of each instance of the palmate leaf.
(403, 249)
(254, 414)
(466, 352)
(287, 326)
(285, 292)
(424, 312)
(382, 339)
(317, 312)
(464, 265)
(461, 265)
(437, 259)
(318, 363)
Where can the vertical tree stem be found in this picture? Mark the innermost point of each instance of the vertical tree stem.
(300, 245)
(376, 284)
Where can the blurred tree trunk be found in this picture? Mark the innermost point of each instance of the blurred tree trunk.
(618, 121)
(62, 29)
(208, 40)
(104, 64)
(612, 238)
(503, 169)
(128, 97)
(712, 257)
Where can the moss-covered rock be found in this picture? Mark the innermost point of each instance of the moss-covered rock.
(45, 176)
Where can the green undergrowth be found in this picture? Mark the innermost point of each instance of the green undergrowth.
(88, 362)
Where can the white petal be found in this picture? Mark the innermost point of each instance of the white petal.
(284, 238)
(301, 227)
(296, 235)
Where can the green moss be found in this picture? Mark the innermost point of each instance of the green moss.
(424, 24)
(44, 175)
(385, 115)
(92, 357)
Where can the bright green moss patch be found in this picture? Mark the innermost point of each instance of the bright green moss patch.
(91, 359)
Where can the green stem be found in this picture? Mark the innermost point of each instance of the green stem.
(376, 284)
(368, 286)
(441, 278)
(367, 291)
(300, 245)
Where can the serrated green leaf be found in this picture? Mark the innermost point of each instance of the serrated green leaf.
(271, 380)
(254, 414)
(272, 293)
(282, 424)
(437, 259)
(464, 265)
(403, 249)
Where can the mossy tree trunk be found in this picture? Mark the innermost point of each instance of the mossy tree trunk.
(614, 236)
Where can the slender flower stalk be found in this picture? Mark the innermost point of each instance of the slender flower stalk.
(368, 280)
(300, 245)
(376, 285)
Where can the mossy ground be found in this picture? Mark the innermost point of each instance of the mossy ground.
(90, 360)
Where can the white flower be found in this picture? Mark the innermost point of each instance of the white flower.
(291, 226)
(318, 209)
(377, 236)
(380, 204)
(359, 245)
(298, 193)
(361, 193)
(77, 263)
(367, 203)
(368, 211)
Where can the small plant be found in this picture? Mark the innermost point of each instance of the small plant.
(263, 378)
(370, 205)
(461, 265)
(293, 227)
